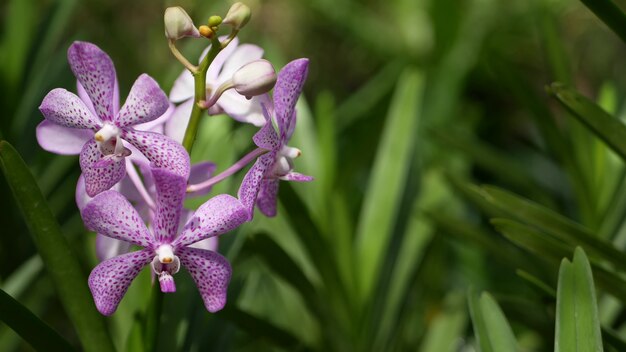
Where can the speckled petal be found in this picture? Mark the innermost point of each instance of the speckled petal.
(176, 126)
(266, 137)
(211, 272)
(145, 102)
(251, 183)
(67, 109)
(162, 151)
(98, 179)
(286, 92)
(296, 177)
(267, 199)
(107, 247)
(216, 216)
(209, 244)
(200, 172)
(110, 280)
(95, 71)
(241, 109)
(170, 193)
(62, 140)
(158, 124)
(110, 214)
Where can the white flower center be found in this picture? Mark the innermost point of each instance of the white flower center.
(108, 140)
(284, 160)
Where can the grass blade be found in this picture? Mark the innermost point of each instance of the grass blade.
(61, 263)
(491, 328)
(34, 331)
(389, 174)
(577, 323)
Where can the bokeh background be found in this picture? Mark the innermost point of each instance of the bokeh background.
(409, 106)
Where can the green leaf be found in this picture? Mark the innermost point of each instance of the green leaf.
(491, 328)
(577, 322)
(610, 14)
(34, 331)
(387, 179)
(606, 127)
(61, 263)
(447, 327)
(553, 223)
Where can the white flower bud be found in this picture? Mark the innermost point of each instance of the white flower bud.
(254, 78)
(238, 15)
(178, 24)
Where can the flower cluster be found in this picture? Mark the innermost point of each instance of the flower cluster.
(136, 173)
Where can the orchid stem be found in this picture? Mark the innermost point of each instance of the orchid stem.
(183, 60)
(226, 173)
(199, 77)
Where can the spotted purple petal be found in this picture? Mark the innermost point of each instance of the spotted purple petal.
(216, 216)
(110, 214)
(267, 198)
(110, 280)
(211, 272)
(67, 109)
(251, 183)
(266, 137)
(145, 102)
(95, 71)
(162, 151)
(99, 177)
(296, 177)
(286, 92)
(61, 140)
(170, 191)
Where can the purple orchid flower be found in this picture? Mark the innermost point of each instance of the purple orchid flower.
(110, 214)
(260, 185)
(226, 63)
(103, 126)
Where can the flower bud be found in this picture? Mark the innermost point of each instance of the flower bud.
(254, 78)
(238, 15)
(178, 24)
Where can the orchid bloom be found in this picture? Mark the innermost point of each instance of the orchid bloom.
(110, 214)
(226, 63)
(103, 127)
(260, 185)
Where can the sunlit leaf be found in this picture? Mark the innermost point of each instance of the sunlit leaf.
(491, 328)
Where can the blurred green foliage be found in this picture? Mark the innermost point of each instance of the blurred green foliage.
(410, 105)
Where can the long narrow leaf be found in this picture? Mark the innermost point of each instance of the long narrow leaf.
(491, 328)
(59, 260)
(389, 174)
(577, 323)
(34, 331)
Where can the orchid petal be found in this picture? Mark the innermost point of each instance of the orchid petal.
(243, 54)
(249, 189)
(68, 110)
(110, 280)
(61, 140)
(157, 125)
(216, 66)
(216, 216)
(286, 92)
(95, 71)
(145, 102)
(183, 88)
(211, 272)
(209, 244)
(266, 137)
(170, 189)
(111, 215)
(98, 179)
(267, 198)
(176, 126)
(107, 247)
(242, 109)
(296, 177)
(162, 151)
(200, 172)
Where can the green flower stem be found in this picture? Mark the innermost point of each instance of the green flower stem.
(200, 94)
